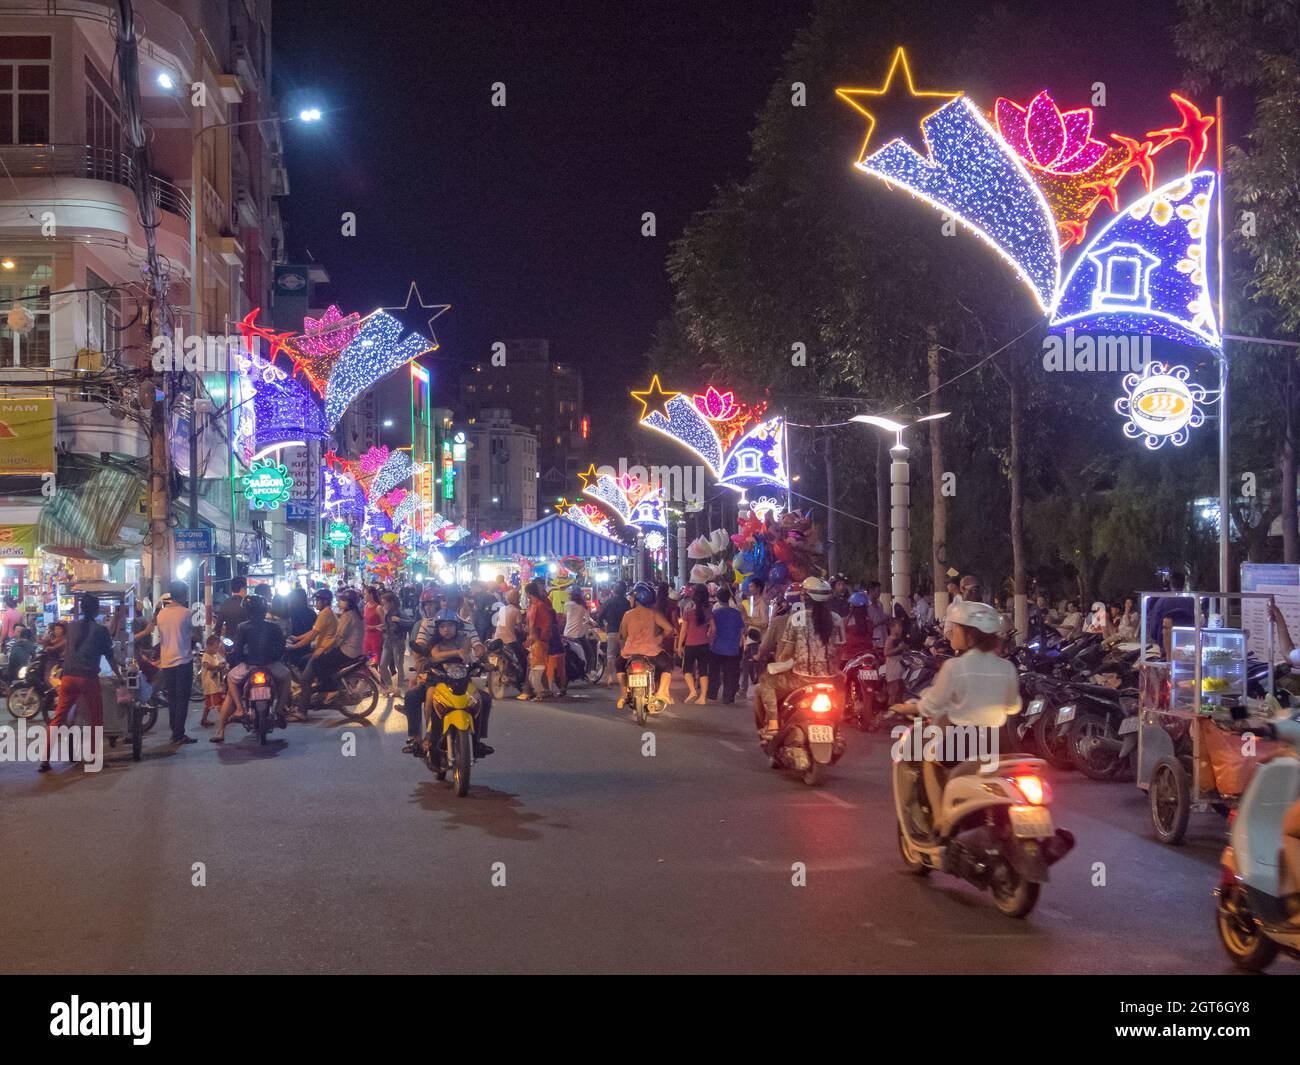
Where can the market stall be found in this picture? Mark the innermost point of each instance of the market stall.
(549, 541)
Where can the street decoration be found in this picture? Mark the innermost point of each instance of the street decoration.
(740, 445)
(323, 340)
(338, 535)
(342, 494)
(384, 561)
(1160, 405)
(654, 540)
(284, 415)
(1031, 181)
(396, 468)
(588, 515)
(631, 500)
(377, 350)
(267, 484)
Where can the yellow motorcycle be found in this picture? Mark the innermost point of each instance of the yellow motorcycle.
(451, 710)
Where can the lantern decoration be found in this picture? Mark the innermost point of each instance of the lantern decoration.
(377, 349)
(284, 415)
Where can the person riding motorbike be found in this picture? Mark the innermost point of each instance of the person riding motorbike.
(456, 640)
(323, 637)
(976, 688)
(641, 634)
(424, 638)
(765, 686)
(258, 644)
(808, 644)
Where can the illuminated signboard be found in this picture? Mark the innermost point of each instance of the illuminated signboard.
(267, 484)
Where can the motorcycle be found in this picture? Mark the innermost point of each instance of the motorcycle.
(866, 703)
(590, 665)
(449, 731)
(34, 692)
(262, 711)
(502, 670)
(808, 739)
(354, 692)
(641, 688)
(1250, 918)
(992, 829)
(1101, 730)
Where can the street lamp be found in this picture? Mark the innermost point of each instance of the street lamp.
(900, 500)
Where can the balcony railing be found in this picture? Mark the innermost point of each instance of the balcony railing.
(87, 161)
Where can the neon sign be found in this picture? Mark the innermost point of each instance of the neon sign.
(1160, 405)
(267, 484)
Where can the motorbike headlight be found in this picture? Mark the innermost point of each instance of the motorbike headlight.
(22, 672)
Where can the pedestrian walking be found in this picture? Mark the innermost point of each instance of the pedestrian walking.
(724, 648)
(88, 642)
(176, 658)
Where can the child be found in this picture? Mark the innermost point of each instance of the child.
(214, 678)
(894, 644)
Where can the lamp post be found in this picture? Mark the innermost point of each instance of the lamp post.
(900, 501)
(196, 199)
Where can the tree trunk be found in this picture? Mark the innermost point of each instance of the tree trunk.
(1287, 488)
(939, 526)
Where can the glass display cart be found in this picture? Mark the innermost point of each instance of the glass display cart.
(1192, 702)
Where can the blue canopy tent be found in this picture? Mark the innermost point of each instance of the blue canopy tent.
(555, 536)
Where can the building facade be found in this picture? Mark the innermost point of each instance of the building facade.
(500, 492)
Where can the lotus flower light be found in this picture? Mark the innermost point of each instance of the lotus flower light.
(1047, 138)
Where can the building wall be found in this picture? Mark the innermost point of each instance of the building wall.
(501, 473)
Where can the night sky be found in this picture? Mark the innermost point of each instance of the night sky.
(527, 219)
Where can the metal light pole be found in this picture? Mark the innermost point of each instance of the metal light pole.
(900, 502)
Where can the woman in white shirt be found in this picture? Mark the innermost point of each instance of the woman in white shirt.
(979, 687)
(577, 624)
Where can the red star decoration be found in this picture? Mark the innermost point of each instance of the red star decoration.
(1073, 233)
(1139, 157)
(1194, 129)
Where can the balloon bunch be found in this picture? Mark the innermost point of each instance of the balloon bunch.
(777, 551)
(384, 562)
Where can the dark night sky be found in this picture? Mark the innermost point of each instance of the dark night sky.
(527, 219)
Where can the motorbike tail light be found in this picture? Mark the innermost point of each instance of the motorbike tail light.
(259, 678)
(636, 667)
(1232, 816)
(1032, 788)
(821, 703)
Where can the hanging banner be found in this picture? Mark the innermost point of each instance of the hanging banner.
(27, 433)
(17, 541)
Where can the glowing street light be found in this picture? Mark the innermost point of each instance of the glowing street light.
(900, 500)
(309, 114)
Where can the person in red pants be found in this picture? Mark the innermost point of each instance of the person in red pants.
(88, 641)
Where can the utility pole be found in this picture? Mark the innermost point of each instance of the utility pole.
(939, 533)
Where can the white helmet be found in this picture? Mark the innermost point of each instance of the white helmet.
(816, 589)
(977, 615)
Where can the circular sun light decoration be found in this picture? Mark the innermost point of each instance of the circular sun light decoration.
(654, 540)
(1161, 406)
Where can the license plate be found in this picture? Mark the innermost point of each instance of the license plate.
(821, 734)
(1066, 713)
(868, 674)
(1129, 724)
(1035, 707)
(260, 693)
(638, 680)
(1031, 822)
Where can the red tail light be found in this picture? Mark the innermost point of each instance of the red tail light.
(259, 678)
(636, 667)
(821, 703)
(1032, 788)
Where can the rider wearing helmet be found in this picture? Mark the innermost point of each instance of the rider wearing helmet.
(977, 688)
(807, 650)
(323, 637)
(441, 636)
(641, 633)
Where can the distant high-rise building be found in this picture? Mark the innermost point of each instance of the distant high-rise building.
(543, 395)
(501, 472)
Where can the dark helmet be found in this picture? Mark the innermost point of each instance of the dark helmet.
(323, 595)
(644, 593)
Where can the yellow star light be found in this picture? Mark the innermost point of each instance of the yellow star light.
(858, 99)
(589, 474)
(645, 396)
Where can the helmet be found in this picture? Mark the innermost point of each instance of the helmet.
(323, 594)
(448, 615)
(816, 589)
(792, 594)
(859, 599)
(979, 616)
(428, 596)
(644, 594)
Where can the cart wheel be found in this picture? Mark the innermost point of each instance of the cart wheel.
(1171, 801)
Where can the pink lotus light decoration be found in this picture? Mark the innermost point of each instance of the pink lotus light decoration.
(329, 334)
(716, 406)
(373, 460)
(1047, 138)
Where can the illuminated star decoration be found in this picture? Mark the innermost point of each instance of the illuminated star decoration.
(439, 309)
(902, 105)
(652, 396)
(975, 175)
(588, 475)
(1161, 406)
(1146, 271)
(608, 491)
(718, 443)
(1194, 129)
(323, 340)
(376, 351)
(396, 469)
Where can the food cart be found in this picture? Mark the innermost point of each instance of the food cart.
(1194, 711)
(125, 716)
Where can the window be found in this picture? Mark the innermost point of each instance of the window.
(28, 284)
(103, 129)
(24, 90)
(103, 314)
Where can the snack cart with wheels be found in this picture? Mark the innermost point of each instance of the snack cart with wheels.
(124, 713)
(1194, 711)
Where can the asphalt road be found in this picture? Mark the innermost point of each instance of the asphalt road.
(612, 859)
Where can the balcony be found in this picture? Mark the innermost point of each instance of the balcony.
(87, 161)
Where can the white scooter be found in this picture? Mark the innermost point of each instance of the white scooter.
(993, 828)
(1251, 921)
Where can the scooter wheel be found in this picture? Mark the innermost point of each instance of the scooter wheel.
(1016, 896)
(1239, 931)
(913, 863)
